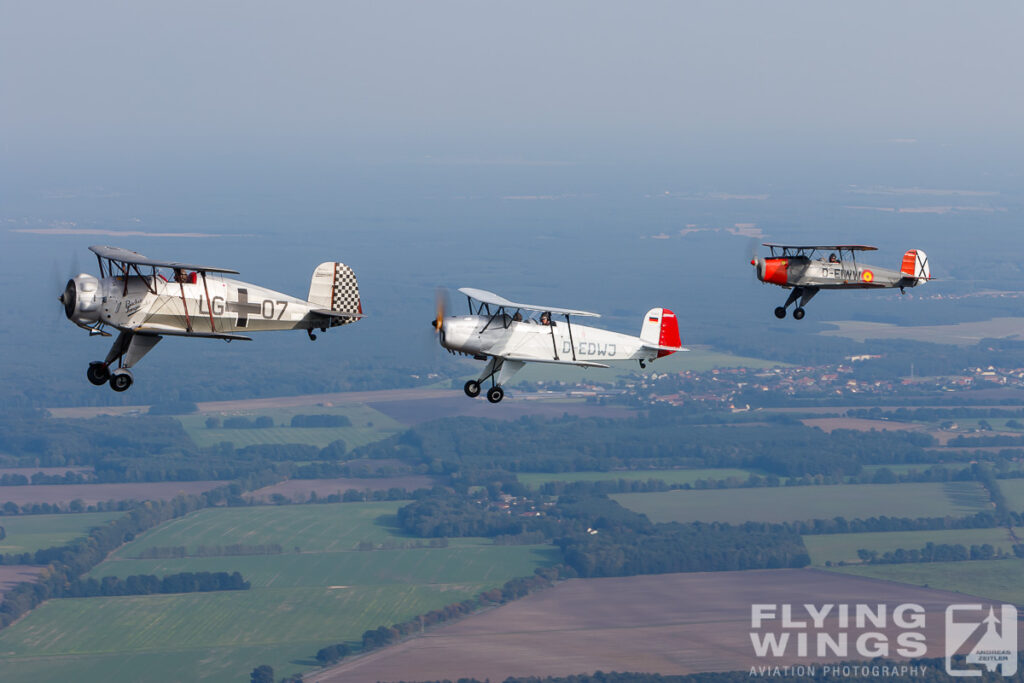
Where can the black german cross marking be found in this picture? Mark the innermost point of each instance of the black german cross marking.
(243, 308)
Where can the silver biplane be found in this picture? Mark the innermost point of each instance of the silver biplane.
(496, 331)
(134, 296)
(806, 270)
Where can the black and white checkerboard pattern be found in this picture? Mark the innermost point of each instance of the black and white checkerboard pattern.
(344, 294)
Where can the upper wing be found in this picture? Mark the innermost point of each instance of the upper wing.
(493, 299)
(827, 247)
(134, 258)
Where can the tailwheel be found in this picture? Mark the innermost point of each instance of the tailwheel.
(121, 380)
(98, 373)
(472, 388)
(798, 313)
(495, 394)
(780, 312)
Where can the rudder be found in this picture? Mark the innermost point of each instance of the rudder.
(661, 328)
(334, 287)
(915, 265)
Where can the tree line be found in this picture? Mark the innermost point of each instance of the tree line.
(148, 584)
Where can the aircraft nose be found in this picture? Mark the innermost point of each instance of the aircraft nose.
(68, 298)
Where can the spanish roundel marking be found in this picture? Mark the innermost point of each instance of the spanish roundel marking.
(868, 276)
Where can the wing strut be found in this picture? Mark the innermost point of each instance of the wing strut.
(209, 308)
(572, 344)
(179, 275)
(554, 344)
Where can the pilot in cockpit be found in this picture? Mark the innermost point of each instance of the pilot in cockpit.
(518, 317)
(545, 318)
(832, 258)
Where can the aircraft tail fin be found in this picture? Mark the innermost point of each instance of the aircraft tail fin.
(915, 266)
(661, 331)
(334, 288)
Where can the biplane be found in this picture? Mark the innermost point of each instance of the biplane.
(806, 270)
(147, 299)
(508, 335)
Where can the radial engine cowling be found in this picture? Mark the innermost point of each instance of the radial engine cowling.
(81, 299)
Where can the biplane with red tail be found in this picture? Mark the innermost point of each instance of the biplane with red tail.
(806, 270)
(147, 299)
(508, 335)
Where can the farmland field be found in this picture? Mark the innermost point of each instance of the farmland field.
(666, 623)
(301, 488)
(95, 493)
(962, 334)
(301, 600)
(843, 547)
(793, 503)
(368, 425)
(324, 528)
(1013, 490)
(535, 479)
(29, 533)
(995, 579)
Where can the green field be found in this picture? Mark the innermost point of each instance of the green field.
(535, 479)
(29, 533)
(368, 425)
(1013, 491)
(843, 547)
(995, 579)
(792, 503)
(300, 601)
(319, 528)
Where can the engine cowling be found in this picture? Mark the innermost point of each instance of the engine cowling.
(81, 299)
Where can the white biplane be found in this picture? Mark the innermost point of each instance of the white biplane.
(134, 297)
(497, 332)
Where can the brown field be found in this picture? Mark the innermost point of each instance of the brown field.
(12, 575)
(828, 424)
(668, 624)
(94, 493)
(301, 488)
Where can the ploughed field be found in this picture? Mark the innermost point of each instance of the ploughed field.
(666, 623)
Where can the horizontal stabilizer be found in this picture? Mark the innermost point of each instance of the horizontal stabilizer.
(579, 363)
(158, 330)
(337, 314)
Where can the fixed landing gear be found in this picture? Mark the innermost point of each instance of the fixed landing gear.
(121, 379)
(98, 373)
(803, 295)
(495, 394)
(472, 388)
(312, 337)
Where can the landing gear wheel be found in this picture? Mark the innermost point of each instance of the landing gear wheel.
(780, 312)
(121, 380)
(472, 388)
(798, 313)
(98, 373)
(495, 394)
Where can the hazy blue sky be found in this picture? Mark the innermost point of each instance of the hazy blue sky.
(467, 79)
